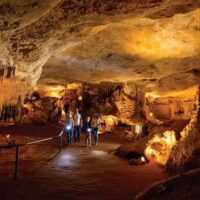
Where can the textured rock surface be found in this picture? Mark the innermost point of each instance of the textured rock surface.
(186, 152)
(40, 111)
(99, 40)
(173, 188)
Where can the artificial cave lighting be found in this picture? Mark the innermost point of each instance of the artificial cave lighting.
(161, 93)
(8, 138)
(143, 159)
(138, 128)
(159, 147)
(73, 86)
(56, 91)
(102, 94)
(51, 91)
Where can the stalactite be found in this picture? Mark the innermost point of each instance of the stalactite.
(11, 89)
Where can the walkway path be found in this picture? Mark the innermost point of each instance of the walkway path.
(77, 173)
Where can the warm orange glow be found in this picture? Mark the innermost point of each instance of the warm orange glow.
(56, 91)
(153, 44)
(151, 95)
(161, 39)
(151, 114)
(190, 92)
(110, 121)
(51, 91)
(159, 147)
(73, 86)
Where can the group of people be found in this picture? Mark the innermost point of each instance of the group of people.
(74, 126)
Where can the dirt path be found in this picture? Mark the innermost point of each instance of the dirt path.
(76, 173)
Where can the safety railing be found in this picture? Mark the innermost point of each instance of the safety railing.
(17, 147)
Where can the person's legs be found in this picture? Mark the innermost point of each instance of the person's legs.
(89, 140)
(68, 137)
(86, 139)
(96, 138)
(78, 133)
(72, 135)
(75, 133)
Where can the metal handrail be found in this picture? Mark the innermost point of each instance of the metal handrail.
(17, 146)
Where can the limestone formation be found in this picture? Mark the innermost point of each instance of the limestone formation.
(185, 152)
(173, 187)
(98, 40)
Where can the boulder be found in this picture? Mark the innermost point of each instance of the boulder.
(182, 187)
(133, 149)
(40, 117)
(47, 103)
(54, 117)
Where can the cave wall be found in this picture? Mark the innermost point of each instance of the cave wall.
(117, 99)
(185, 153)
(126, 101)
(173, 188)
(172, 108)
(101, 98)
(40, 110)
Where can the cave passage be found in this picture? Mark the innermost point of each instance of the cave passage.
(76, 173)
(109, 89)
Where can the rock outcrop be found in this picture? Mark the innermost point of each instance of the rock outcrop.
(173, 188)
(185, 153)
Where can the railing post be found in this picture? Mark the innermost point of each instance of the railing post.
(60, 143)
(16, 162)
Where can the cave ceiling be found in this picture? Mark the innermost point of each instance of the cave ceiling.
(53, 42)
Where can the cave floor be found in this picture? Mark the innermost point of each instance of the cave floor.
(76, 173)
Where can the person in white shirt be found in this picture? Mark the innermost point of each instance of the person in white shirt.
(77, 126)
(96, 124)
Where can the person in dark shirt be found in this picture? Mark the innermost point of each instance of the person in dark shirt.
(69, 127)
(96, 124)
(88, 130)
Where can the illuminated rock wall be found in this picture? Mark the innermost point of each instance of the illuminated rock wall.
(104, 40)
(186, 152)
(126, 101)
(172, 108)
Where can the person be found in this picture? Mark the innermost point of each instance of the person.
(88, 130)
(77, 126)
(96, 123)
(69, 126)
